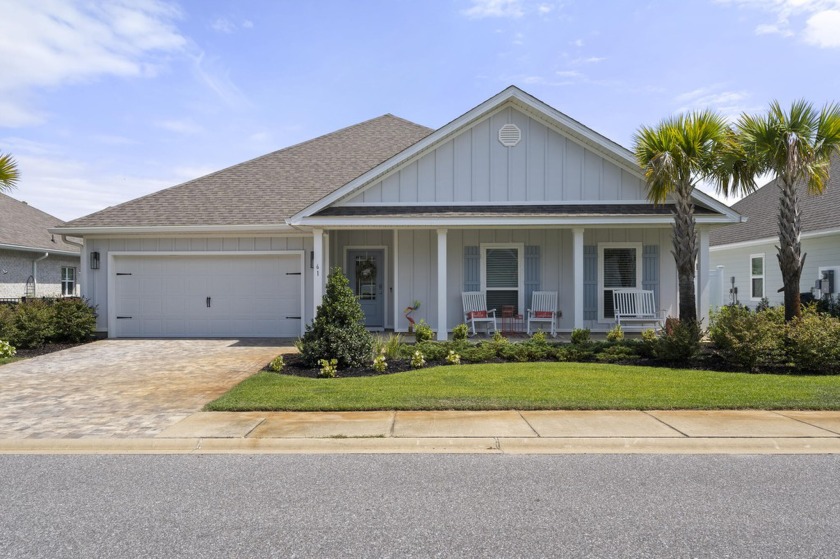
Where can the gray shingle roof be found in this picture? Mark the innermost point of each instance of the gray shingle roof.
(762, 207)
(270, 188)
(24, 226)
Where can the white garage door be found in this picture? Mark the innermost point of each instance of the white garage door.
(207, 296)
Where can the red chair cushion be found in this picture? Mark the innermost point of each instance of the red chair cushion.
(477, 314)
(543, 314)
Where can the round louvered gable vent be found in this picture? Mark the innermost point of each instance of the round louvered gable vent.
(509, 135)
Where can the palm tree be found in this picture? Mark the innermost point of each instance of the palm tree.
(675, 155)
(796, 146)
(9, 173)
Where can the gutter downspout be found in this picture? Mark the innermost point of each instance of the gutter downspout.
(35, 272)
(82, 280)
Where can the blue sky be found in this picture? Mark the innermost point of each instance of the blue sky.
(101, 102)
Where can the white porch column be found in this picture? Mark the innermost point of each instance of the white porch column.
(577, 257)
(396, 285)
(318, 271)
(703, 278)
(441, 284)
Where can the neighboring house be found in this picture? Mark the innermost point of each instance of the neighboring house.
(509, 198)
(33, 261)
(747, 251)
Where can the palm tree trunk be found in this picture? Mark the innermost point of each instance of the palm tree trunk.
(790, 249)
(685, 251)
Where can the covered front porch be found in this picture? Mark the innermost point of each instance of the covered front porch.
(391, 269)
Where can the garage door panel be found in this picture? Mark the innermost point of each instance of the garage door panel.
(251, 295)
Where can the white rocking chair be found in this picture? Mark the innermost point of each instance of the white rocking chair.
(543, 309)
(475, 310)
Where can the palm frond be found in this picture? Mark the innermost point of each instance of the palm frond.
(9, 173)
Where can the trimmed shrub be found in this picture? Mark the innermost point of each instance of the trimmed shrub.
(453, 358)
(478, 353)
(749, 340)
(616, 334)
(423, 332)
(460, 332)
(329, 368)
(32, 325)
(680, 342)
(814, 342)
(581, 336)
(514, 352)
(616, 354)
(277, 364)
(379, 363)
(74, 320)
(338, 331)
(417, 360)
(577, 353)
(7, 322)
(432, 351)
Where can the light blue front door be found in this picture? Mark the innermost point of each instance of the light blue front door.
(366, 272)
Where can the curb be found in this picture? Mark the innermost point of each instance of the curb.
(476, 445)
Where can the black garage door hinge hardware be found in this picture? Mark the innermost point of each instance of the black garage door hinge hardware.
(292, 273)
(119, 317)
(123, 273)
(292, 317)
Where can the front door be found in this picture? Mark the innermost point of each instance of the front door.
(366, 271)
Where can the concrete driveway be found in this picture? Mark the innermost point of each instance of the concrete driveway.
(123, 388)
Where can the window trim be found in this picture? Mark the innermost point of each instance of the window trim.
(67, 282)
(762, 276)
(520, 247)
(639, 268)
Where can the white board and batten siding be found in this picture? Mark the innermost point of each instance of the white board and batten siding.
(258, 286)
(474, 167)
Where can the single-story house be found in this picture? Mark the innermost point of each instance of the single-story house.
(33, 261)
(744, 255)
(509, 198)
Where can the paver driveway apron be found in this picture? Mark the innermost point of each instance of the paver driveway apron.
(123, 388)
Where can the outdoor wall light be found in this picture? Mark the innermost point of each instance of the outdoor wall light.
(94, 260)
(311, 258)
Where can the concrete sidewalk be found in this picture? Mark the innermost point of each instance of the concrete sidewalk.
(513, 432)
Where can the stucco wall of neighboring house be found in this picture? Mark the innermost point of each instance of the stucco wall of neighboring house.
(822, 252)
(416, 271)
(16, 267)
(96, 281)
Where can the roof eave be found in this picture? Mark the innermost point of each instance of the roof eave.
(4, 246)
(173, 229)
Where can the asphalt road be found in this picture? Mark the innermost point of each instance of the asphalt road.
(419, 506)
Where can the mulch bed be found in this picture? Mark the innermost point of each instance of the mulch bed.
(296, 367)
(45, 349)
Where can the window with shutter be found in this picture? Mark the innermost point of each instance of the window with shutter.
(502, 276)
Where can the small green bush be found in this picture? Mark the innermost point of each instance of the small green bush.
(616, 334)
(74, 320)
(581, 336)
(514, 352)
(498, 338)
(460, 332)
(538, 338)
(478, 353)
(433, 351)
(616, 354)
(32, 325)
(814, 342)
(329, 368)
(338, 331)
(391, 347)
(379, 363)
(277, 364)
(6, 350)
(580, 353)
(453, 358)
(423, 332)
(417, 360)
(680, 342)
(749, 340)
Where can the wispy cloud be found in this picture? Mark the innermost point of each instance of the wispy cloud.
(180, 126)
(481, 9)
(515, 9)
(52, 42)
(729, 103)
(227, 26)
(215, 76)
(817, 22)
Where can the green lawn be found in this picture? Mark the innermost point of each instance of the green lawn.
(575, 386)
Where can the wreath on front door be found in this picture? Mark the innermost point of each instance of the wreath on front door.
(366, 269)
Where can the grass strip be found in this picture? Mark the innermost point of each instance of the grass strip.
(527, 386)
